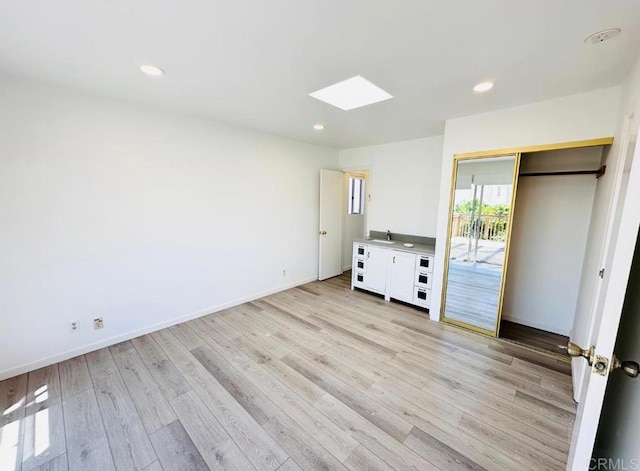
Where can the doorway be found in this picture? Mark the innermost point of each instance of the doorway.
(357, 197)
(552, 217)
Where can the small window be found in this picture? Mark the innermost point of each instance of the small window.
(356, 195)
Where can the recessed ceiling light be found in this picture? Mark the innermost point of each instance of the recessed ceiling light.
(152, 70)
(351, 94)
(483, 87)
(318, 126)
(602, 36)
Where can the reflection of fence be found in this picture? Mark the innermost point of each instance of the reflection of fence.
(489, 227)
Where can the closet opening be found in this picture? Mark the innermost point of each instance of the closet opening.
(551, 224)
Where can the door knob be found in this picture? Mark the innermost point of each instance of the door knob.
(630, 368)
(575, 351)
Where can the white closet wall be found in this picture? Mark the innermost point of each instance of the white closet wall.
(551, 224)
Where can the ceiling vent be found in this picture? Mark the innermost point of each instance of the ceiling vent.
(602, 36)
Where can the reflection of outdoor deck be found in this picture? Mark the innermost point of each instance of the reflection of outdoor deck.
(472, 292)
(489, 251)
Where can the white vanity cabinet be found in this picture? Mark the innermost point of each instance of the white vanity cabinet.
(402, 276)
(395, 273)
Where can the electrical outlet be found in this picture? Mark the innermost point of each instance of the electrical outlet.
(284, 272)
(98, 323)
(75, 326)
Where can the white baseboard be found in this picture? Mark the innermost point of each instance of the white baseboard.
(346, 268)
(537, 325)
(50, 360)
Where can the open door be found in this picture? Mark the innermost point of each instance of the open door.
(330, 230)
(605, 222)
(620, 242)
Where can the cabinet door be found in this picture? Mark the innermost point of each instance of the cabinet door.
(403, 267)
(375, 277)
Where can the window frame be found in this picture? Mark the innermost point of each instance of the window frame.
(356, 186)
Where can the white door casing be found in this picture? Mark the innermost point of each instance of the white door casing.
(330, 226)
(625, 222)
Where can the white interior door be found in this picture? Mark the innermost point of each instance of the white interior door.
(607, 210)
(604, 328)
(330, 233)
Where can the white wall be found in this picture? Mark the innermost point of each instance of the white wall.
(548, 239)
(404, 184)
(353, 228)
(140, 216)
(572, 118)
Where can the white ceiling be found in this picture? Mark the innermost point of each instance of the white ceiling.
(254, 62)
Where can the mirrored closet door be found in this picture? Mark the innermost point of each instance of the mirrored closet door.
(480, 215)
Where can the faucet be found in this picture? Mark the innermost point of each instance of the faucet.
(388, 234)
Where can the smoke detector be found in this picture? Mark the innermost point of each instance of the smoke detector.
(602, 36)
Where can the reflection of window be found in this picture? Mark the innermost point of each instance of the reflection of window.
(356, 196)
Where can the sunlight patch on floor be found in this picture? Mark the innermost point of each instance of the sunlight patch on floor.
(13, 407)
(9, 442)
(42, 432)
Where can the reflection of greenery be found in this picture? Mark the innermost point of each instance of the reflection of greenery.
(465, 207)
(491, 224)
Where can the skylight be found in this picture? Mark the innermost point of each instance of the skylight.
(352, 93)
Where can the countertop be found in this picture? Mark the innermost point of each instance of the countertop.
(417, 248)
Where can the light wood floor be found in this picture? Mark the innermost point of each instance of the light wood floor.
(534, 338)
(317, 377)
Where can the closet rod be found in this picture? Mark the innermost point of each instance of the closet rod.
(598, 173)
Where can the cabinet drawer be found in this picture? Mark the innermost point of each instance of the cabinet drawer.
(421, 296)
(358, 279)
(359, 250)
(423, 278)
(424, 263)
(358, 264)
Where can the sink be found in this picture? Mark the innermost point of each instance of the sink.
(384, 241)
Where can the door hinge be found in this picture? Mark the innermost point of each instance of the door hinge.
(601, 273)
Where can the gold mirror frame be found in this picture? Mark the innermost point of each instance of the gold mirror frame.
(516, 171)
(604, 141)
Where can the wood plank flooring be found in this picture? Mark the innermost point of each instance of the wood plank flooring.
(318, 377)
(535, 338)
